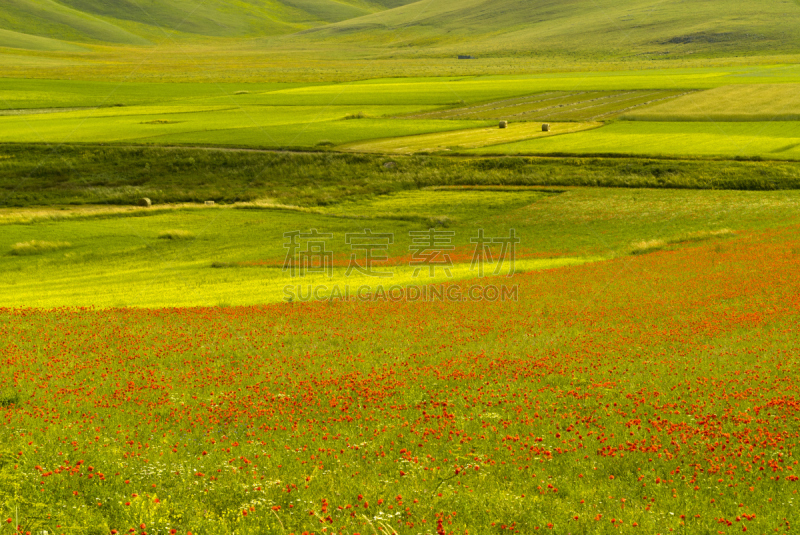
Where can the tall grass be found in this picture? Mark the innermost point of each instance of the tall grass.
(93, 175)
(176, 234)
(35, 247)
(649, 246)
(8, 397)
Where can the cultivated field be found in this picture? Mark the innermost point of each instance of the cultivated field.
(772, 140)
(263, 126)
(559, 106)
(733, 108)
(755, 102)
(464, 139)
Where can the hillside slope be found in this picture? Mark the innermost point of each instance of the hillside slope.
(576, 27)
(51, 20)
(579, 29)
(140, 22)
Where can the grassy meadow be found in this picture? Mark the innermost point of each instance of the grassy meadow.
(464, 139)
(560, 106)
(755, 102)
(771, 140)
(40, 177)
(262, 126)
(424, 90)
(233, 254)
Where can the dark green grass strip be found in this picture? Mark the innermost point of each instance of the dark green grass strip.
(33, 175)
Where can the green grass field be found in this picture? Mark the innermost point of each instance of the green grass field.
(33, 177)
(583, 106)
(755, 102)
(324, 115)
(233, 255)
(774, 140)
(19, 94)
(434, 91)
(464, 139)
(254, 126)
(450, 91)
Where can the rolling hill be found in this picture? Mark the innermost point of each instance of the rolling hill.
(51, 20)
(616, 28)
(142, 22)
(586, 29)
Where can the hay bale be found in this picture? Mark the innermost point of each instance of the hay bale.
(209, 203)
(503, 124)
(545, 127)
(144, 202)
(389, 165)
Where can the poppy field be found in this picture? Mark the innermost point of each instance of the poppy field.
(653, 393)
